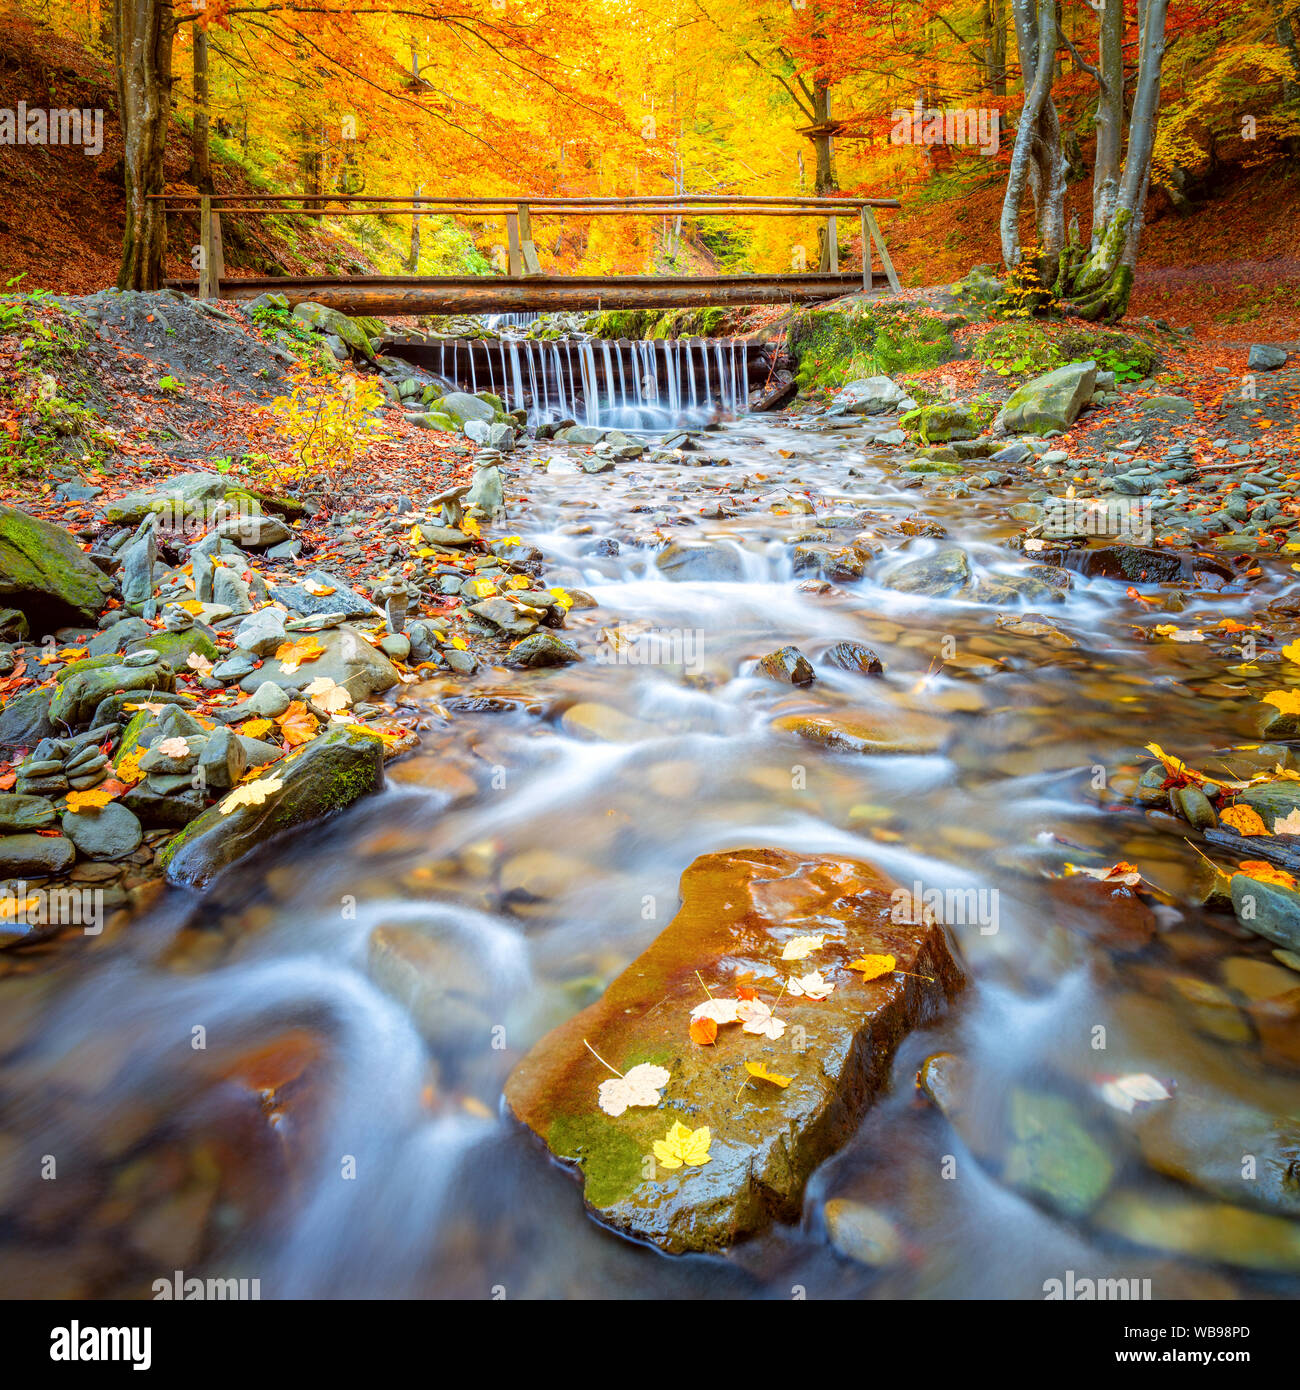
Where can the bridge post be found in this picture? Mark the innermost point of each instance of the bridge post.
(869, 218)
(515, 264)
(527, 248)
(205, 247)
(832, 246)
(866, 252)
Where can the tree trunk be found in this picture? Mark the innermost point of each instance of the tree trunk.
(1110, 115)
(826, 181)
(143, 59)
(1100, 286)
(412, 262)
(1036, 155)
(993, 30)
(202, 164)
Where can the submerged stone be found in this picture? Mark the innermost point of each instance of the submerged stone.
(738, 910)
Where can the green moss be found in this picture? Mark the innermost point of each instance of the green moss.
(610, 1159)
(835, 346)
(176, 647)
(711, 322)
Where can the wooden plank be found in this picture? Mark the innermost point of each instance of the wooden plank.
(843, 203)
(528, 251)
(399, 295)
(870, 218)
(205, 247)
(866, 254)
(218, 256)
(514, 259)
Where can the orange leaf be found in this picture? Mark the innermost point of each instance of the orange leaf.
(1265, 872)
(1244, 821)
(92, 800)
(297, 724)
(704, 1031)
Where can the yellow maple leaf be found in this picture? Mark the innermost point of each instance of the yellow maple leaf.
(291, 655)
(255, 728)
(759, 1070)
(250, 794)
(1243, 820)
(470, 527)
(128, 766)
(682, 1145)
(1288, 701)
(564, 599)
(91, 800)
(190, 605)
(873, 967)
(1292, 652)
(1175, 767)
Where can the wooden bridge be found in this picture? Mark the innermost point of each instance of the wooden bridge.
(523, 286)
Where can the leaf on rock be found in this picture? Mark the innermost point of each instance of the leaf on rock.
(639, 1085)
(810, 986)
(873, 967)
(1264, 872)
(250, 794)
(760, 1071)
(92, 800)
(328, 694)
(1288, 824)
(1244, 820)
(703, 1031)
(297, 724)
(801, 947)
(291, 655)
(681, 1145)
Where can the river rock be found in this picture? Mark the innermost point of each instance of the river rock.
(855, 657)
(862, 1233)
(738, 910)
(19, 814)
(541, 649)
(1263, 357)
(262, 632)
(1204, 1142)
(871, 396)
(787, 664)
(254, 531)
(84, 684)
(348, 659)
(1213, 1231)
(1050, 402)
(35, 856)
(316, 780)
(710, 562)
(188, 498)
(1267, 908)
(333, 322)
(437, 980)
(896, 732)
(25, 719)
(111, 832)
(934, 576)
(45, 574)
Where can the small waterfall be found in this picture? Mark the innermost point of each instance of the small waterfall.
(520, 320)
(641, 384)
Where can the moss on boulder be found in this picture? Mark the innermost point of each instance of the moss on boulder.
(45, 574)
(738, 910)
(315, 781)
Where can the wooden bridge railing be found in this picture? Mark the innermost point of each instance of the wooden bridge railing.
(521, 254)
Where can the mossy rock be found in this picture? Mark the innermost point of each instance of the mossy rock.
(326, 320)
(738, 910)
(315, 781)
(945, 421)
(836, 346)
(176, 648)
(45, 574)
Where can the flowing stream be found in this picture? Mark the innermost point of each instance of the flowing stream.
(329, 1140)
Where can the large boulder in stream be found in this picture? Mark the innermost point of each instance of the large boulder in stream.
(314, 781)
(45, 573)
(740, 910)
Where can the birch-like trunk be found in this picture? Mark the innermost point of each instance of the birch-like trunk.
(1036, 41)
(1110, 114)
(144, 30)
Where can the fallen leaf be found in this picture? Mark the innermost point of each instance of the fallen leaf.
(297, 724)
(759, 1070)
(91, 800)
(1264, 872)
(639, 1085)
(291, 655)
(810, 986)
(250, 794)
(703, 1031)
(801, 947)
(1288, 824)
(174, 748)
(681, 1145)
(873, 967)
(719, 1010)
(757, 1017)
(1243, 820)
(328, 694)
